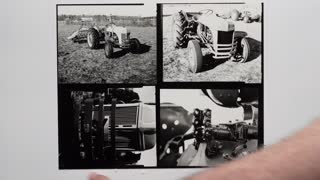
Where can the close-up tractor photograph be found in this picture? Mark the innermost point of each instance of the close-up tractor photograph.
(220, 125)
(214, 42)
(107, 128)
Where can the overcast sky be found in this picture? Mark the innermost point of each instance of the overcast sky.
(217, 8)
(149, 9)
(124, 10)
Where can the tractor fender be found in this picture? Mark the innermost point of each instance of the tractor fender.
(96, 28)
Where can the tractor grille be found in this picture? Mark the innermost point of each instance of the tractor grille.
(125, 37)
(125, 116)
(225, 37)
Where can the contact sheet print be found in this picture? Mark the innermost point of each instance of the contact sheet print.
(173, 85)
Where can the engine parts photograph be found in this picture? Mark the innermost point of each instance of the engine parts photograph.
(210, 127)
(107, 128)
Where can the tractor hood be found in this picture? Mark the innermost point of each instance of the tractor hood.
(117, 29)
(216, 23)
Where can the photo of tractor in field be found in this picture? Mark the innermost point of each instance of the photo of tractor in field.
(106, 44)
(111, 35)
(208, 30)
(198, 38)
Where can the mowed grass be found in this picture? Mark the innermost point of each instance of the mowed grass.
(77, 63)
(175, 64)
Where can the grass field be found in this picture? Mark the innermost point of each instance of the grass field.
(175, 64)
(79, 64)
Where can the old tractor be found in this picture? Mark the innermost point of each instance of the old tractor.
(114, 37)
(207, 30)
(111, 35)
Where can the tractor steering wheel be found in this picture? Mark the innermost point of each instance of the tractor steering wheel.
(206, 11)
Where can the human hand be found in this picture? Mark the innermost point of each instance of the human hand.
(95, 176)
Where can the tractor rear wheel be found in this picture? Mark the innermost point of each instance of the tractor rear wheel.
(93, 39)
(243, 51)
(135, 45)
(178, 25)
(108, 49)
(195, 56)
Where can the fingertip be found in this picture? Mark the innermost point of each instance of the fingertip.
(95, 176)
(92, 176)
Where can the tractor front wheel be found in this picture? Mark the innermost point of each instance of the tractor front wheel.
(195, 56)
(135, 45)
(93, 39)
(108, 49)
(243, 51)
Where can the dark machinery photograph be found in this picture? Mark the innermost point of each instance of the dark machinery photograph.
(107, 128)
(210, 127)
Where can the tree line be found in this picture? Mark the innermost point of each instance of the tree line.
(103, 19)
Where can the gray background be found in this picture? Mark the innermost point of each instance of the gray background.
(28, 126)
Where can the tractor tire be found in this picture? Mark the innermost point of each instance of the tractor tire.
(93, 38)
(243, 51)
(195, 56)
(178, 25)
(135, 46)
(108, 49)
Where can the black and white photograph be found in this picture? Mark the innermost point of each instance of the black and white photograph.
(212, 42)
(106, 43)
(159, 90)
(207, 127)
(107, 128)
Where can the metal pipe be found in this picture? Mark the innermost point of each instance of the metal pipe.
(112, 132)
